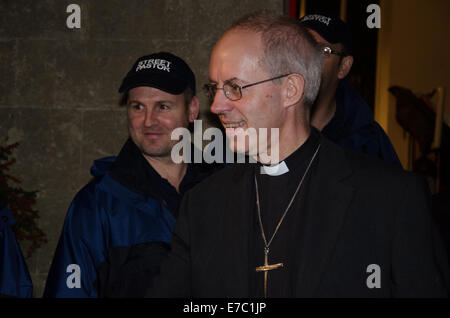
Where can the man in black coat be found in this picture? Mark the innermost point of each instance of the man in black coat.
(318, 221)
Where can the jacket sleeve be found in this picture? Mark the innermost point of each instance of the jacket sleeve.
(80, 249)
(15, 279)
(420, 264)
(174, 279)
(129, 270)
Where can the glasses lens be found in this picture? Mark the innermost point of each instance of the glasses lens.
(232, 91)
(326, 50)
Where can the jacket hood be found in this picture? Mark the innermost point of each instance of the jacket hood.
(101, 166)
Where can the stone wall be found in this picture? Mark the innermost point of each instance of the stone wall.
(58, 86)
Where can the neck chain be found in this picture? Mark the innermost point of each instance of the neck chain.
(266, 267)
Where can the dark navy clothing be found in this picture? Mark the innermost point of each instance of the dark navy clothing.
(353, 126)
(15, 280)
(126, 205)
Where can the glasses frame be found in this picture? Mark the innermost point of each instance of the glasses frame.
(328, 50)
(211, 90)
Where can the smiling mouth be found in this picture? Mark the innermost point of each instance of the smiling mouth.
(234, 125)
(153, 134)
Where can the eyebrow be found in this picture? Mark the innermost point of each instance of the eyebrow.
(225, 81)
(133, 101)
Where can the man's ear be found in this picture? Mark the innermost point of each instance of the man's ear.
(293, 89)
(194, 109)
(345, 66)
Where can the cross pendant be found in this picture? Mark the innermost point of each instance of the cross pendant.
(266, 268)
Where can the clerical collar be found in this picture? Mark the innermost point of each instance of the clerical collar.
(295, 159)
(275, 170)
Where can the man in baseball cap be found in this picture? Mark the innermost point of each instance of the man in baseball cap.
(339, 111)
(132, 203)
(163, 71)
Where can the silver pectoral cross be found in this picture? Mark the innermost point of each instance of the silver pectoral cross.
(266, 268)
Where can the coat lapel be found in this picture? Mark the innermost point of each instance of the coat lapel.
(236, 225)
(326, 208)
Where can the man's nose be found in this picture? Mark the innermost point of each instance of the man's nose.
(221, 104)
(151, 117)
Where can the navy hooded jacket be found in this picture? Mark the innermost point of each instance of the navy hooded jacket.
(127, 204)
(353, 126)
(15, 280)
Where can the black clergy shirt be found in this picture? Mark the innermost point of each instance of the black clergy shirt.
(275, 193)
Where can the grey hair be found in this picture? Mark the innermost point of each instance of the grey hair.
(288, 48)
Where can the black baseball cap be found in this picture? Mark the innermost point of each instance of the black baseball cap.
(162, 70)
(330, 27)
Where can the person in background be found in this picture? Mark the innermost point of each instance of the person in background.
(15, 280)
(132, 203)
(339, 112)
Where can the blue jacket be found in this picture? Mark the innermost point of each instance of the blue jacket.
(353, 126)
(126, 204)
(15, 280)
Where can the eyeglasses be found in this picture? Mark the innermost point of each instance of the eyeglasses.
(327, 51)
(231, 90)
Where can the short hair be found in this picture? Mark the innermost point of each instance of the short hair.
(288, 48)
(188, 96)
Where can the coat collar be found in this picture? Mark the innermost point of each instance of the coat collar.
(133, 171)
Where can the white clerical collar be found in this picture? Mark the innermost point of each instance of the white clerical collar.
(275, 170)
